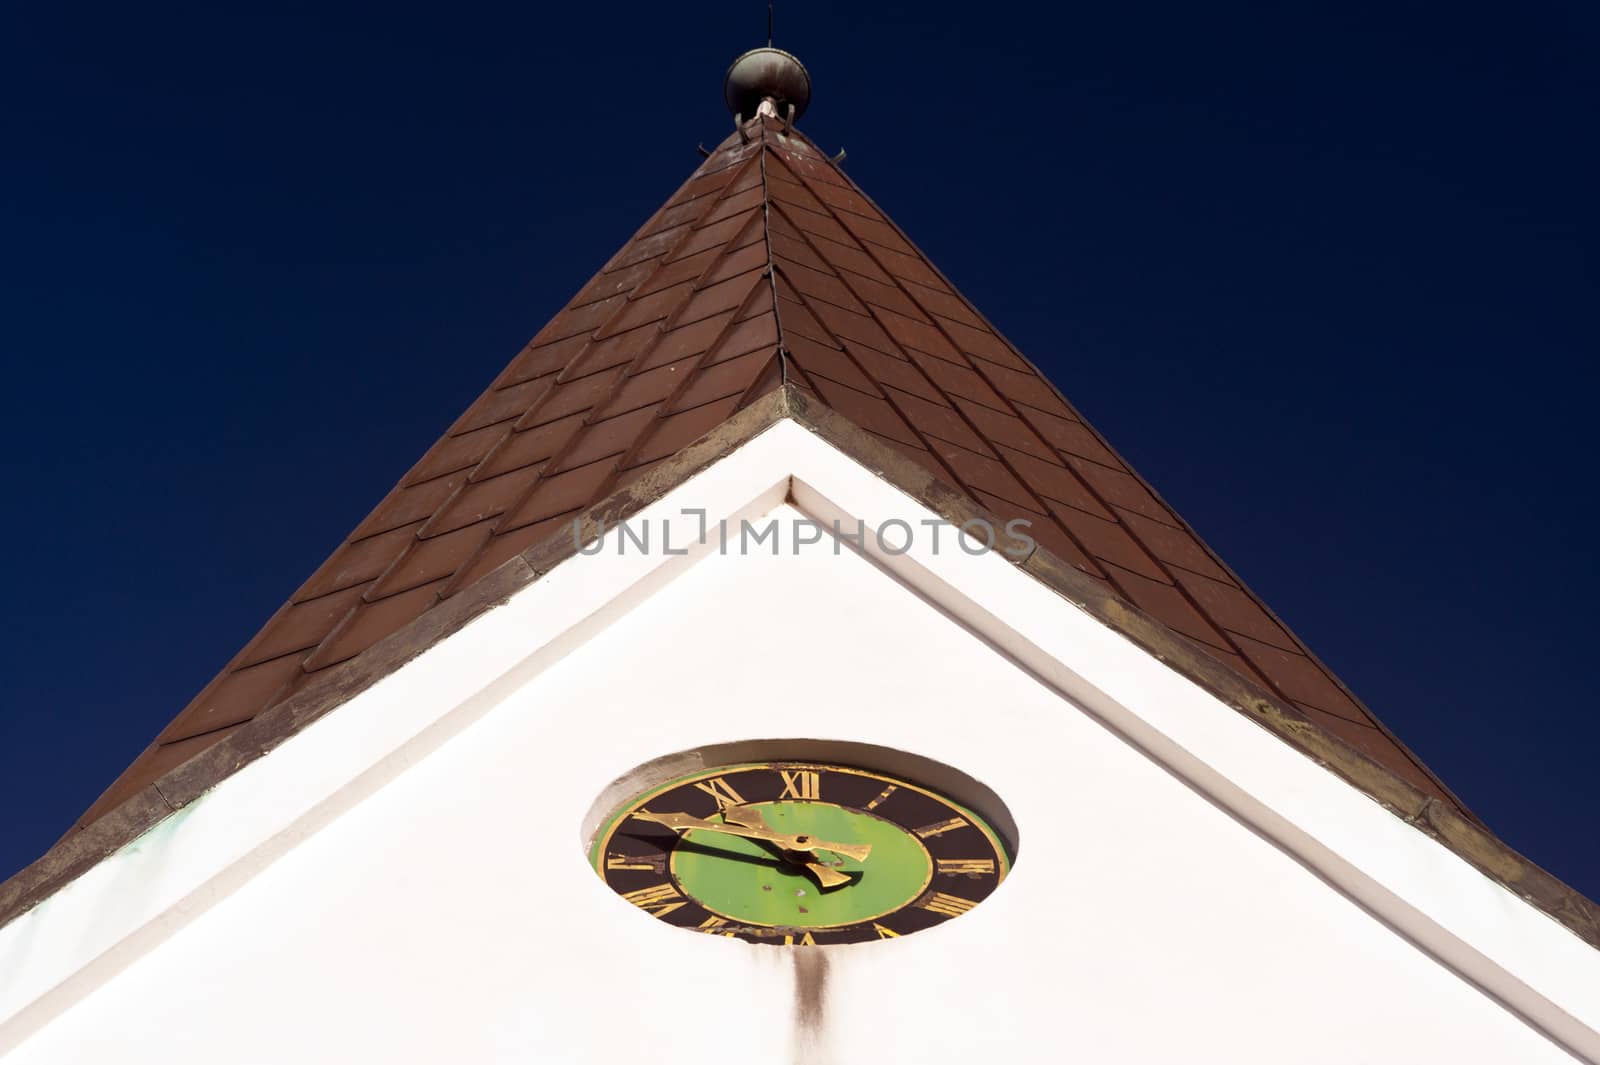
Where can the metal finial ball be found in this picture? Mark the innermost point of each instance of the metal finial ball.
(766, 72)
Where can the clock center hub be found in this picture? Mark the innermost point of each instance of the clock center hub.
(755, 883)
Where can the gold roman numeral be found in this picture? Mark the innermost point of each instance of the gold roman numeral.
(801, 784)
(965, 866)
(949, 905)
(804, 941)
(929, 831)
(885, 933)
(882, 795)
(721, 791)
(712, 925)
(654, 863)
(657, 901)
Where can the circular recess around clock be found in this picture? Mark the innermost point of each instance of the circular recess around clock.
(799, 854)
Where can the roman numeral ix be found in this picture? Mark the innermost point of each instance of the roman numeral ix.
(948, 905)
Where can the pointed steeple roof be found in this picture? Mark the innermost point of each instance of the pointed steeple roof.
(769, 267)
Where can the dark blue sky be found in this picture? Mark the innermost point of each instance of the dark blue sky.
(1324, 272)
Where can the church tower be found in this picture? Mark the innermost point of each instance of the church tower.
(771, 665)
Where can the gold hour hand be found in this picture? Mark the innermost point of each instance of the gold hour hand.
(684, 822)
(746, 817)
(826, 876)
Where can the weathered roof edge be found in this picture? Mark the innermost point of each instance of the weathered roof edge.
(1215, 556)
(81, 851)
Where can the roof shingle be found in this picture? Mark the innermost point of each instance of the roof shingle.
(768, 265)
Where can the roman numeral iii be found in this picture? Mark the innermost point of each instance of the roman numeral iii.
(966, 866)
(948, 905)
(801, 784)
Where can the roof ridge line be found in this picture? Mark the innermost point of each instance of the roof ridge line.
(804, 302)
(1304, 649)
(772, 266)
(806, 239)
(976, 366)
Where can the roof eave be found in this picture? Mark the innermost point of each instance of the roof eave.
(85, 848)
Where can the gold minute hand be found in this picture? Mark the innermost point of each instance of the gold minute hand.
(684, 822)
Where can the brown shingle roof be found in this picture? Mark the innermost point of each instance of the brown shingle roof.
(768, 266)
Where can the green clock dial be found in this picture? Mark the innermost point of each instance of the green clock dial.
(799, 854)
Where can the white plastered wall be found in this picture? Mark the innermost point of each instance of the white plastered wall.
(405, 881)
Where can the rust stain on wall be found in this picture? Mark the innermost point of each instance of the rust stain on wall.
(810, 1005)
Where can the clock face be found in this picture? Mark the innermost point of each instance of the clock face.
(798, 853)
